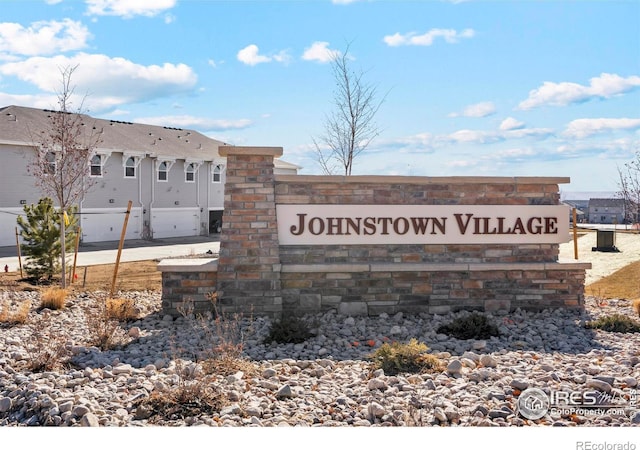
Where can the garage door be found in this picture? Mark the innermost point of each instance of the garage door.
(174, 222)
(105, 224)
(8, 224)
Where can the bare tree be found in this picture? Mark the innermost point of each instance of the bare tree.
(351, 127)
(629, 185)
(63, 154)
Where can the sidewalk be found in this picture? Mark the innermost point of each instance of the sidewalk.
(96, 253)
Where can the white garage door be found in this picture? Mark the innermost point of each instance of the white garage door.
(8, 224)
(174, 222)
(105, 224)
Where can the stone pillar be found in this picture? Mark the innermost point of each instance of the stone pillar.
(249, 261)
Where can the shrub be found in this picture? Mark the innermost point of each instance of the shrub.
(40, 230)
(411, 357)
(121, 309)
(192, 396)
(54, 298)
(289, 329)
(473, 326)
(104, 330)
(617, 323)
(46, 346)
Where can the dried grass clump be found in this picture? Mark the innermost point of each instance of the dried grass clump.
(121, 309)
(54, 298)
(411, 357)
(20, 316)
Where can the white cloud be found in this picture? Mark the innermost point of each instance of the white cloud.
(251, 56)
(200, 123)
(581, 128)
(449, 35)
(128, 8)
(511, 124)
(108, 81)
(319, 51)
(43, 38)
(482, 109)
(561, 94)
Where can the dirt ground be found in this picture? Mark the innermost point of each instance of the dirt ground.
(131, 276)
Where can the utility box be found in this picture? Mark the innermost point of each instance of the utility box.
(605, 241)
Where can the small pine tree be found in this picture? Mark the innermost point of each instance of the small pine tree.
(40, 230)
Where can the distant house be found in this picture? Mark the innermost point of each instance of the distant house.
(175, 178)
(607, 210)
(581, 207)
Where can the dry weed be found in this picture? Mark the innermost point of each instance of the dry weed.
(121, 309)
(20, 316)
(54, 298)
(104, 330)
(46, 345)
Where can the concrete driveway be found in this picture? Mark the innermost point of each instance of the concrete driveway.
(96, 253)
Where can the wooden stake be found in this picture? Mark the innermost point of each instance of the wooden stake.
(575, 234)
(75, 256)
(84, 278)
(19, 256)
(124, 231)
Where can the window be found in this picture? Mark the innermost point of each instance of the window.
(163, 171)
(96, 166)
(217, 173)
(190, 173)
(130, 167)
(50, 159)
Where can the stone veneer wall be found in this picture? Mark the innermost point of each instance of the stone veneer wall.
(256, 274)
(188, 283)
(356, 279)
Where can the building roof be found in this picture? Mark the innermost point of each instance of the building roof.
(606, 202)
(20, 125)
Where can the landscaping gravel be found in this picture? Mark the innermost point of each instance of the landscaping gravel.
(327, 380)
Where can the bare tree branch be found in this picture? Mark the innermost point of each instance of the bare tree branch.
(629, 185)
(63, 155)
(351, 127)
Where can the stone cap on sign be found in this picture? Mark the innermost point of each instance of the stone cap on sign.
(188, 265)
(225, 150)
(418, 180)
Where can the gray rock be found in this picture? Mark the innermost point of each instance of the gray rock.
(498, 413)
(635, 418)
(284, 392)
(80, 410)
(479, 345)
(439, 414)
(488, 361)
(376, 410)
(599, 385)
(268, 373)
(454, 367)
(630, 381)
(520, 385)
(89, 420)
(377, 384)
(5, 404)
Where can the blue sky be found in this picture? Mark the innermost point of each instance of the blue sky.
(470, 88)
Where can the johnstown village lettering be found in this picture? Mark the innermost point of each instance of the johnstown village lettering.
(422, 224)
